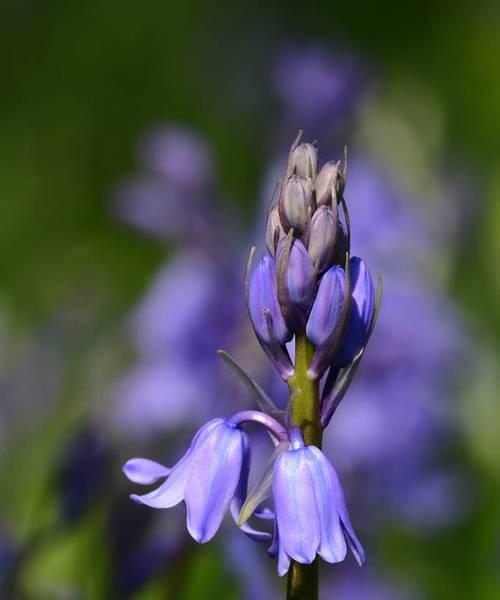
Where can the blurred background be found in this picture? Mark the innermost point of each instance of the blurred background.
(139, 146)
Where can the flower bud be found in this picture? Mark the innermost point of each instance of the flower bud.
(295, 203)
(274, 231)
(362, 310)
(340, 245)
(322, 237)
(296, 285)
(303, 161)
(327, 307)
(263, 297)
(327, 177)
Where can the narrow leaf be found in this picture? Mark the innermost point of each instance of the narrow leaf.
(264, 402)
(262, 489)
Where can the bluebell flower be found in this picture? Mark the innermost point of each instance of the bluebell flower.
(296, 284)
(311, 512)
(361, 315)
(206, 478)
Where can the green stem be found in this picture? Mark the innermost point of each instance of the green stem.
(304, 397)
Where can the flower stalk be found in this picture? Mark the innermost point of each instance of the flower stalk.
(302, 582)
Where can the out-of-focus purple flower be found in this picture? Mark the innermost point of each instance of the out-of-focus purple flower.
(361, 315)
(182, 314)
(365, 585)
(311, 513)
(148, 559)
(179, 154)
(315, 85)
(169, 200)
(159, 396)
(206, 478)
(81, 473)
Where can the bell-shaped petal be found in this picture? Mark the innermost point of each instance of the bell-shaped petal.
(311, 514)
(322, 237)
(327, 307)
(296, 285)
(262, 298)
(362, 311)
(206, 478)
(144, 471)
(295, 204)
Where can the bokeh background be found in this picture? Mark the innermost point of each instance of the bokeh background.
(139, 145)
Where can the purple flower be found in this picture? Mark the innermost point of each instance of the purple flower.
(315, 85)
(311, 512)
(362, 309)
(179, 154)
(327, 306)
(296, 286)
(168, 200)
(206, 478)
(262, 297)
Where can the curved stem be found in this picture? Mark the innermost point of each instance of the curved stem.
(304, 413)
(255, 416)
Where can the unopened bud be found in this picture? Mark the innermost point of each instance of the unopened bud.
(295, 283)
(296, 203)
(322, 237)
(274, 231)
(303, 161)
(327, 178)
(362, 310)
(262, 298)
(327, 307)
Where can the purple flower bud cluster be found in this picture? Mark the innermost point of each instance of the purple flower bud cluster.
(308, 283)
(307, 286)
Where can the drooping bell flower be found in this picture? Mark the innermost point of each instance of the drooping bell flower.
(206, 478)
(310, 507)
(362, 311)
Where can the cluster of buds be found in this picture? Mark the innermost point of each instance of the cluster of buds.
(308, 283)
(310, 287)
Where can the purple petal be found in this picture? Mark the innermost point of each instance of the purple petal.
(240, 496)
(362, 309)
(263, 295)
(340, 503)
(283, 558)
(296, 510)
(327, 307)
(213, 478)
(171, 492)
(144, 471)
(333, 546)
